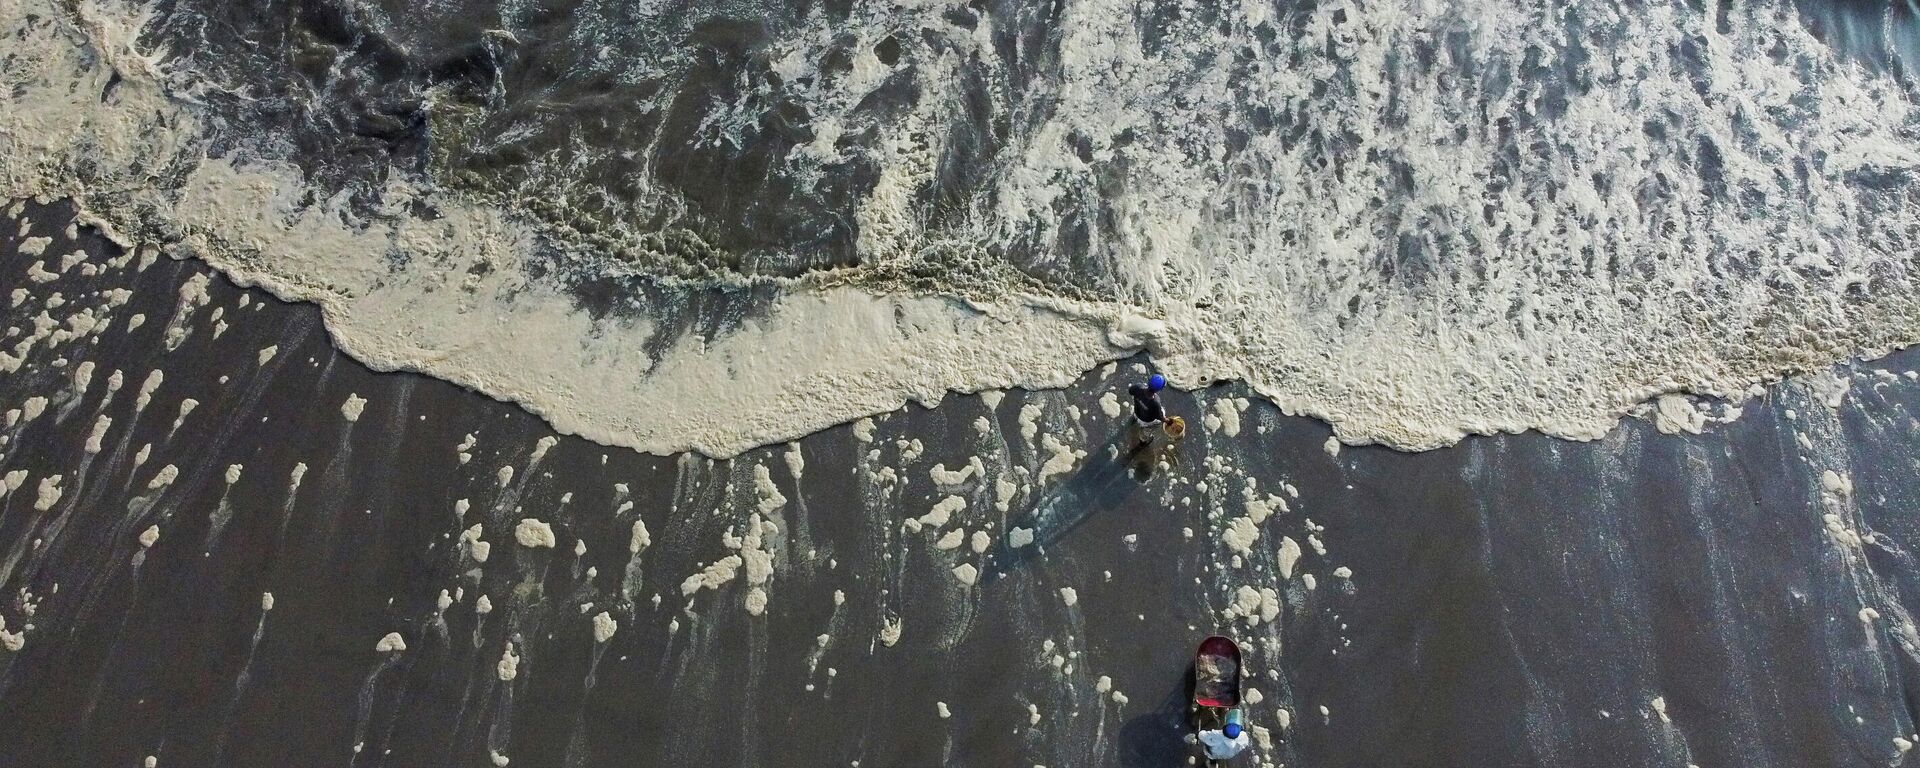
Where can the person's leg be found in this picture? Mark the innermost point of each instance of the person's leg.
(1146, 432)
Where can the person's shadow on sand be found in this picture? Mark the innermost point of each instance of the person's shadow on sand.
(1158, 739)
(1101, 483)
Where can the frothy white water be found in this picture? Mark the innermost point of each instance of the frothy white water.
(1382, 214)
(1504, 218)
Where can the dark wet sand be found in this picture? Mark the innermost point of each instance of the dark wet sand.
(1516, 600)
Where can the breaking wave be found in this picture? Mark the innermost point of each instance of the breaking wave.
(714, 225)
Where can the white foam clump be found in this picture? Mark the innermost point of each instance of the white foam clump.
(477, 547)
(941, 512)
(1289, 556)
(48, 493)
(164, 477)
(604, 626)
(1674, 414)
(99, 433)
(640, 539)
(755, 547)
(509, 666)
(1490, 287)
(1240, 534)
(534, 534)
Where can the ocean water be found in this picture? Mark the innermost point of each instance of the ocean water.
(1415, 221)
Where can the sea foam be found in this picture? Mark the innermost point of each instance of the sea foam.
(1414, 220)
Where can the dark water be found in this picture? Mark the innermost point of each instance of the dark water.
(1515, 600)
(672, 138)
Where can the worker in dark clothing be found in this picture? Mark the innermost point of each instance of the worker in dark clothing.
(1148, 413)
(1147, 409)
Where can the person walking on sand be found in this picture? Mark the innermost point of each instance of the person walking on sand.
(1147, 410)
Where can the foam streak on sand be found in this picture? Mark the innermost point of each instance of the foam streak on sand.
(1398, 227)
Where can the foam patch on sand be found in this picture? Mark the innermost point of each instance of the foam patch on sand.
(1412, 275)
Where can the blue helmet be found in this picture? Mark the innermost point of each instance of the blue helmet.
(1232, 730)
(1157, 382)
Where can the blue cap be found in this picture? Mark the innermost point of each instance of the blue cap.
(1232, 730)
(1157, 382)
